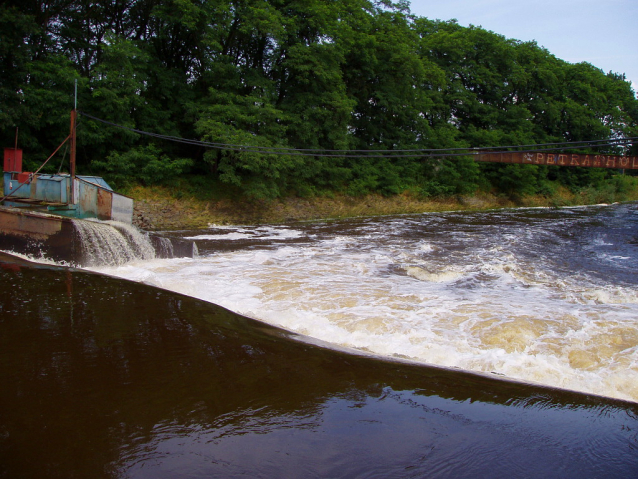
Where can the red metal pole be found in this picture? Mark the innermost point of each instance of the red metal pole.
(72, 159)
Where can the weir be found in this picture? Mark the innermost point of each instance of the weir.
(79, 220)
(83, 242)
(112, 243)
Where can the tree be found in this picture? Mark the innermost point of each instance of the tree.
(353, 77)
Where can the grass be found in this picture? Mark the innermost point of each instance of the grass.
(197, 206)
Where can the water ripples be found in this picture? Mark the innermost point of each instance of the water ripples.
(530, 294)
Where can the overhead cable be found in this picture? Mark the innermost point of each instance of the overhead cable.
(399, 153)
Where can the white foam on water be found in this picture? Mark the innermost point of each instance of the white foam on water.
(489, 310)
(227, 236)
(238, 233)
(438, 276)
(40, 258)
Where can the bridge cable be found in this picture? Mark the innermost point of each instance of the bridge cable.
(410, 153)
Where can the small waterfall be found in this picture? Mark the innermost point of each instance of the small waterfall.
(172, 247)
(112, 243)
(164, 247)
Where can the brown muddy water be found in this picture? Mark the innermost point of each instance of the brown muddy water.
(410, 346)
(102, 377)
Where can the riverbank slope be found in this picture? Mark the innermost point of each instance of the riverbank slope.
(161, 208)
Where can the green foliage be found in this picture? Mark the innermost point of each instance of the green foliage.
(147, 165)
(625, 185)
(518, 179)
(459, 176)
(36, 85)
(616, 188)
(251, 128)
(267, 76)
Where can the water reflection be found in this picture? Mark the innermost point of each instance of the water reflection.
(106, 378)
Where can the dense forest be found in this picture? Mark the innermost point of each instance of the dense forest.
(270, 76)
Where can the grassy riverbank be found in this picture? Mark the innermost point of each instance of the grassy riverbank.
(169, 208)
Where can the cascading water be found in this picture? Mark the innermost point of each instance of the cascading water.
(547, 296)
(164, 247)
(112, 243)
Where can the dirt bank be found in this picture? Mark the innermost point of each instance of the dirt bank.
(158, 209)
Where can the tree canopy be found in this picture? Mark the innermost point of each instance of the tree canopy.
(352, 75)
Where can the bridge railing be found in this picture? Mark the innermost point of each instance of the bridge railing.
(559, 159)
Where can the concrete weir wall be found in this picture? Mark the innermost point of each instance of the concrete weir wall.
(37, 235)
(82, 242)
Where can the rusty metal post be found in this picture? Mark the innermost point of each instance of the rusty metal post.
(72, 159)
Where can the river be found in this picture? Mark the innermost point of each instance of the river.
(491, 344)
(549, 296)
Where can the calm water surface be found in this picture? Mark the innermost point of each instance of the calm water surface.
(104, 377)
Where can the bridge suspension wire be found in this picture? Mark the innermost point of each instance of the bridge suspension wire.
(409, 153)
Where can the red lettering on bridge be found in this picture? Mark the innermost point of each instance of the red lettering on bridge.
(559, 159)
